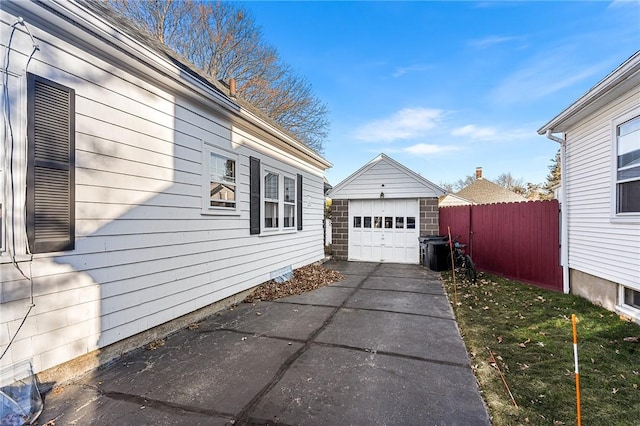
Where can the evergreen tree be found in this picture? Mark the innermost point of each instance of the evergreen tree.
(553, 178)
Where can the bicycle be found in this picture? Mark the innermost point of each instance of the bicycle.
(463, 261)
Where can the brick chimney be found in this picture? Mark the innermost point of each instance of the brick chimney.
(478, 172)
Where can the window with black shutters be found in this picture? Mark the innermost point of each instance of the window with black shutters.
(50, 166)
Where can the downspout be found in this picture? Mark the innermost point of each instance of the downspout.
(564, 236)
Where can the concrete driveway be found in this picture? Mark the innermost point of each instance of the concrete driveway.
(380, 347)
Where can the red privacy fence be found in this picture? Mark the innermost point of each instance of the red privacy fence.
(516, 240)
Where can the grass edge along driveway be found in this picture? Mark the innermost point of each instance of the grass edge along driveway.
(529, 332)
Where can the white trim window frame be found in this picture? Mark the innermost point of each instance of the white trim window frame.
(278, 211)
(219, 181)
(271, 200)
(289, 202)
(626, 166)
(629, 302)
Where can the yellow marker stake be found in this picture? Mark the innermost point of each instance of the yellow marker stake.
(575, 357)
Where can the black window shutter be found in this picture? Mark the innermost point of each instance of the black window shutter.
(50, 166)
(299, 202)
(254, 200)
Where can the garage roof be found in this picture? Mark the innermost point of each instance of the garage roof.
(383, 177)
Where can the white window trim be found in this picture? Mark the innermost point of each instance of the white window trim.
(624, 309)
(289, 203)
(615, 217)
(264, 169)
(264, 200)
(207, 148)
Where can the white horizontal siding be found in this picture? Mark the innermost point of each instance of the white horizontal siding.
(383, 176)
(145, 253)
(598, 245)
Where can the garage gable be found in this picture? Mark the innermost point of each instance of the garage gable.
(379, 212)
(384, 177)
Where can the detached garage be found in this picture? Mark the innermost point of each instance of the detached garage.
(379, 212)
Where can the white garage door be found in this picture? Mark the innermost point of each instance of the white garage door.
(384, 230)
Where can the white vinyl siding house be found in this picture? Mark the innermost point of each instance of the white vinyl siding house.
(379, 212)
(162, 210)
(602, 242)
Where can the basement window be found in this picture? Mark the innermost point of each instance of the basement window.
(629, 304)
(632, 298)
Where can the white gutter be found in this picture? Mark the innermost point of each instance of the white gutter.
(564, 225)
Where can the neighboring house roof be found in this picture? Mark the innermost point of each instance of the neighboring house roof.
(385, 175)
(453, 200)
(483, 191)
(619, 81)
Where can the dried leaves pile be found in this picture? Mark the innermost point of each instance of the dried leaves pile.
(304, 279)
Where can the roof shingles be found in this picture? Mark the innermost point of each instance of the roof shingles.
(483, 191)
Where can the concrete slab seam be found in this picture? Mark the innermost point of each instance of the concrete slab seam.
(243, 416)
(393, 354)
(166, 406)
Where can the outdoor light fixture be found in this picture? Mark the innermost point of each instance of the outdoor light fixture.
(382, 195)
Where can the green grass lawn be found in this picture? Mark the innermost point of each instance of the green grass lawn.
(529, 331)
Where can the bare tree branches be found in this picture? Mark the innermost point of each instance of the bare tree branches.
(223, 40)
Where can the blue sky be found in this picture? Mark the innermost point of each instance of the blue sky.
(445, 87)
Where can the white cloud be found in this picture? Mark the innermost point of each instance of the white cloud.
(407, 123)
(545, 75)
(475, 132)
(400, 71)
(624, 3)
(429, 149)
(490, 41)
(492, 133)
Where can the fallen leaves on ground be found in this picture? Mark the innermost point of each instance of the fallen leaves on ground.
(304, 279)
(155, 344)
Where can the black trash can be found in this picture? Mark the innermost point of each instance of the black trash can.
(438, 255)
(425, 241)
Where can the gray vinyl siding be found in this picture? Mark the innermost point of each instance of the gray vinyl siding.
(598, 245)
(145, 253)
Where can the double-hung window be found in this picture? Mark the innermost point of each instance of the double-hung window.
(220, 185)
(271, 200)
(289, 202)
(275, 199)
(628, 166)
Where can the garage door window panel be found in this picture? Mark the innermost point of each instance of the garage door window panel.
(411, 222)
(399, 222)
(357, 222)
(367, 221)
(388, 222)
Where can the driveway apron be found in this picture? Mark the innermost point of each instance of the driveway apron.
(380, 347)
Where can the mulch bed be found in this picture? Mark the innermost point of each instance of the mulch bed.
(304, 279)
